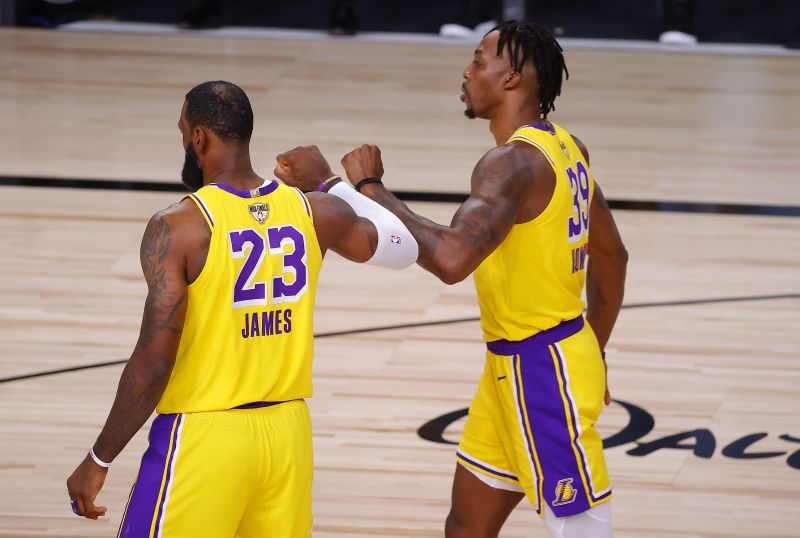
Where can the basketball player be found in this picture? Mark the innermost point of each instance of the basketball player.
(535, 228)
(225, 349)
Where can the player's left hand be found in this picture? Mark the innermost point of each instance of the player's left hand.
(83, 486)
(607, 398)
(363, 162)
(303, 167)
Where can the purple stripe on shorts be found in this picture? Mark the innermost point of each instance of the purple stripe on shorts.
(142, 505)
(484, 468)
(575, 426)
(127, 505)
(547, 422)
(168, 482)
(539, 340)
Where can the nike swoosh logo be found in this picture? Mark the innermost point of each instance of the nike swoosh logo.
(501, 378)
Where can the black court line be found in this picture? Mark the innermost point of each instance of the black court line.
(101, 184)
(416, 196)
(432, 324)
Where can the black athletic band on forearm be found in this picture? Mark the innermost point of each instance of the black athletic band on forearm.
(367, 181)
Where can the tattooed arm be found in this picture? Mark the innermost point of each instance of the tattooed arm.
(500, 182)
(146, 374)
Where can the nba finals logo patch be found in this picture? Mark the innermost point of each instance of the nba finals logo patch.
(395, 239)
(564, 148)
(260, 212)
(565, 493)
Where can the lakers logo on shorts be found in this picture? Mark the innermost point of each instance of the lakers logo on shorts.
(565, 493)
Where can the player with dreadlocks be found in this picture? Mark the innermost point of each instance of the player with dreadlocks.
(534, 230)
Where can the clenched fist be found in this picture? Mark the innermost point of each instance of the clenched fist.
(303, 167)
(363, 162)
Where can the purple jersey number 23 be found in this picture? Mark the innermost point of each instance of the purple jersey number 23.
(245, 291)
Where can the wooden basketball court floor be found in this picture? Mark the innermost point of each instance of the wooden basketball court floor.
(705, 359)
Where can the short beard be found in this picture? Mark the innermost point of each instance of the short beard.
(470, 113)
(191, 174)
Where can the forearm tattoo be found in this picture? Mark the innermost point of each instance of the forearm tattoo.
(145, 377)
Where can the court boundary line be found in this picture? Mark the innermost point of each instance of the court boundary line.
(668, 206)
(419, 324)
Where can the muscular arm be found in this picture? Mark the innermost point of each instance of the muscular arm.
(608, 260)
(340, 229)
(499, 182)
(146, 374)
(164, 263)
(605, 275)
(351, 224)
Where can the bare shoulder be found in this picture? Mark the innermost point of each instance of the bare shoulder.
(515, 157)
(183, 220)
(173, 231)
(508, 169)
(581, 146)
(183, 214)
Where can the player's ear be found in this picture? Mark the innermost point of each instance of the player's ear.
(199, 140)
(512, 79)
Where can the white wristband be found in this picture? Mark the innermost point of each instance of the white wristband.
(397, 248)
(97, 460)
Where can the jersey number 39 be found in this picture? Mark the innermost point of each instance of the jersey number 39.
(579, 186)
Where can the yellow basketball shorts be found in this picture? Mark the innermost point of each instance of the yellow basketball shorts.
(531, 425)
(235, 473)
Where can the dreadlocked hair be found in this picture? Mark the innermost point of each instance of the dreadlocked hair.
(525, 42)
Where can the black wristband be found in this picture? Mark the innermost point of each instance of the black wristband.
(367, 181)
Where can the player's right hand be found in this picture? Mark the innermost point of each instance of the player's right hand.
(83, 486)
(363, 162)
(303, 167)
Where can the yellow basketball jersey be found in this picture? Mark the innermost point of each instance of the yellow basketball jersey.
(248, 332)
(533, 281)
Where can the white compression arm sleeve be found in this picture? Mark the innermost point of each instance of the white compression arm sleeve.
(397, 248)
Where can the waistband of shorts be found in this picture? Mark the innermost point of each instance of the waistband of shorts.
(563, 330)
(259, 405)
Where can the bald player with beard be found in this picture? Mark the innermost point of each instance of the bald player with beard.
(226, 344)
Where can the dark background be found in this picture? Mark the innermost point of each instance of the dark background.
(730, 21)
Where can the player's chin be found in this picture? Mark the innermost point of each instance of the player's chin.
(470, 113)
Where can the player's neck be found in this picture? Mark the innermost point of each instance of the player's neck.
(234, 169)
(510, 118)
